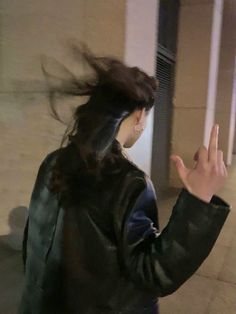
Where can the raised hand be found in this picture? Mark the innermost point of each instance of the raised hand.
(209, 173)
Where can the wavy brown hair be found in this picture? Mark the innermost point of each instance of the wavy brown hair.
(115, 90)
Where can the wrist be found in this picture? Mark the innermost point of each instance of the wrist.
(202, 196)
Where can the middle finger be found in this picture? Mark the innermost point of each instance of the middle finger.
(213, 144)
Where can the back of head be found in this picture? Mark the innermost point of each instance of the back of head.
(114, 92)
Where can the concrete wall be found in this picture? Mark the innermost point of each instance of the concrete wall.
(30, 28)
(196, 79)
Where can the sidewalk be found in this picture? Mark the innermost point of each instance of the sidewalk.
(212, 290)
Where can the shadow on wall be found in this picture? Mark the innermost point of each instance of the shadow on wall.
(11, 263)
(16, 220)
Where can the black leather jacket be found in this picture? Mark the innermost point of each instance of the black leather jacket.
(106, 255)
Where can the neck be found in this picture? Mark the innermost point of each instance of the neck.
(121, 138)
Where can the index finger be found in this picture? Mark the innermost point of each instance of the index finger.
(213, 144)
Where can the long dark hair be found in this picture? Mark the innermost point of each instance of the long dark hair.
(115, 90)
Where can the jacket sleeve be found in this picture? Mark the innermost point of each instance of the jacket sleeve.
(26, 227)
(162, 261)
(24, 243)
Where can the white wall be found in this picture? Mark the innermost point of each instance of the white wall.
(140, 50)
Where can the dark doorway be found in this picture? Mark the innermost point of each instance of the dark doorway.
(165, 73)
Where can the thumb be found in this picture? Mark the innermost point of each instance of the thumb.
(179, 164)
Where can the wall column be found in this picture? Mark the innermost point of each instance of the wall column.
(226, 89)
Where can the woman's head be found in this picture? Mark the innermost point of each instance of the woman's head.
(119, 99)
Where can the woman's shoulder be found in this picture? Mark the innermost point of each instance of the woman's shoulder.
(135, 170)
(50, 157)
(134, 176)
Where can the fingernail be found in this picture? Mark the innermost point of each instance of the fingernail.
(217, 128)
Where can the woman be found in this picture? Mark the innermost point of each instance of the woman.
(92, 243)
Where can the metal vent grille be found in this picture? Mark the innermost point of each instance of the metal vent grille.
(162, 122)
